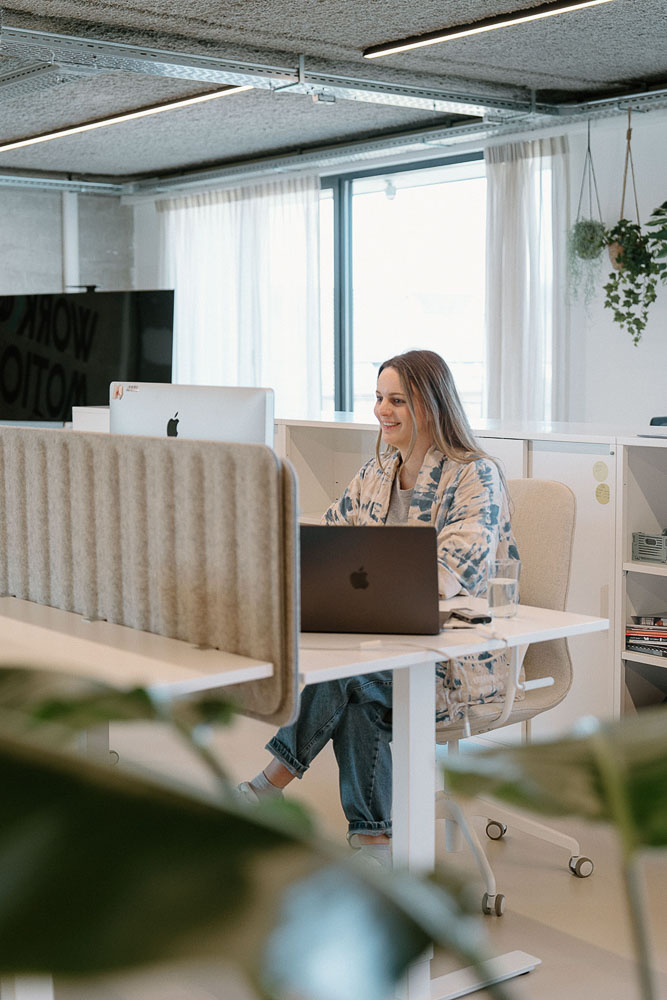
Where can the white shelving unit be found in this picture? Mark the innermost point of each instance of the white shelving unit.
(641, 586)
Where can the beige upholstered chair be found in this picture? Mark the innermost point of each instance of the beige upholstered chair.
(543, 516)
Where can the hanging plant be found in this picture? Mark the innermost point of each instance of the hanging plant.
(632, 284)
(587, 237)
(657, 238)
(631, 288)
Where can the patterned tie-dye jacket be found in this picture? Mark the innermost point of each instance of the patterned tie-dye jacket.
(467, 505)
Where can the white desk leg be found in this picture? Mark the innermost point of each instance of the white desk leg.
(27, 988)
(413, 762)
(414, 768)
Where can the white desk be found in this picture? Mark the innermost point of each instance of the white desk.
(52, 639)
(55, 639)
(412, 658)
(40, 636)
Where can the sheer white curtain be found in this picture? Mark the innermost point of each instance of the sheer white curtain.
(244, 266)
(527, 336)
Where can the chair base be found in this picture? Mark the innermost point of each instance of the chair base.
(457, 823)
(500, 818)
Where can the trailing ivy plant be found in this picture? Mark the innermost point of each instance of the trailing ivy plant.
(631, 288)
(657, 238)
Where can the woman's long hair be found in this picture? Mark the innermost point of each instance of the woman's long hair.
(425, 375)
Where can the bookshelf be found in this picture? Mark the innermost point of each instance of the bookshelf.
(641, 586)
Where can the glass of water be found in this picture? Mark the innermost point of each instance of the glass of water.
(502, 590)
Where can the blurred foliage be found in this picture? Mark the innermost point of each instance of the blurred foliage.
(614, 772)
(102, 869)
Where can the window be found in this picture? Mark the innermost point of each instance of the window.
(415, 265)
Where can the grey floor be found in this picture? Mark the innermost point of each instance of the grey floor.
(577, 927)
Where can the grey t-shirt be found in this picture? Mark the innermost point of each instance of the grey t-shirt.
(399, 504)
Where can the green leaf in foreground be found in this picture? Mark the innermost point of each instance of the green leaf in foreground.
(101, 870)
(614, 772)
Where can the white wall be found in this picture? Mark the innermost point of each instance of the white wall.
(105, 243)
(146, 245)
(31, 245)
(613, 381)
(31, 249)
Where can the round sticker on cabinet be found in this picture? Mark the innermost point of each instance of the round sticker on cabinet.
(600, 472)
(602, 494)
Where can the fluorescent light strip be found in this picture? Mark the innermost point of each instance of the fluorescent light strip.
(477, 27)
(127, 117)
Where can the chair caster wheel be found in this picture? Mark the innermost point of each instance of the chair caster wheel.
(581, 867)
(493, 904)
(495, 830)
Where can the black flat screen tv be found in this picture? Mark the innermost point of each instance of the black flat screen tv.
(63, 350)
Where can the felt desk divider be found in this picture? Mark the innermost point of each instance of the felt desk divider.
(193, 540)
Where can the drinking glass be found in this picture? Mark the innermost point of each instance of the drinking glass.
(502, 590)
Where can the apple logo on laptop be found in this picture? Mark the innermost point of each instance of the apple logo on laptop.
(359, 579)
(172, 426)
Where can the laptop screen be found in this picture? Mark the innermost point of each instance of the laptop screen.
(369, 579)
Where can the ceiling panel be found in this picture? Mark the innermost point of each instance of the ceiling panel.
(614, 48)
(236, 127)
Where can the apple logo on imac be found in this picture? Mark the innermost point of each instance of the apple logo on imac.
(359, 579)
(172, 426)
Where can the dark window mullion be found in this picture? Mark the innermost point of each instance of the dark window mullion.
(343, 333)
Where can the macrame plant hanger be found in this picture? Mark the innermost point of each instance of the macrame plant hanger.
(629, 162)
(589, 180)
(615, 250)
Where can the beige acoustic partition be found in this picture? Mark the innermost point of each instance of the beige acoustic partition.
(187, 539)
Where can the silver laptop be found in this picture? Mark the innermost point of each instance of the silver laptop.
(202, 412)
(369, 579)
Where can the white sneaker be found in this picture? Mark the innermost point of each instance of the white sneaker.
(247, 792)
(371, 857)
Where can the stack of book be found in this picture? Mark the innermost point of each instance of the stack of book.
(647, 634)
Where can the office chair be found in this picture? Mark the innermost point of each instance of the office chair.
(543, 516)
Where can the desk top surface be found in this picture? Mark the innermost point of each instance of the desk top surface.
(40, 636)
(327, 656)
(47, 637)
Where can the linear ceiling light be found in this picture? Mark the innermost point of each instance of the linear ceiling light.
(126, 117)
(477, 27)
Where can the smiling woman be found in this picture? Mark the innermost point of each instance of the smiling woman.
(431, 473)
(402, 424)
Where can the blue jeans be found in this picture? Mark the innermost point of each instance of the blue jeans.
(355, 714)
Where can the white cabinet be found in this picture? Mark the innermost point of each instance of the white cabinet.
(641, 586)
(326, 455)
(589, 469)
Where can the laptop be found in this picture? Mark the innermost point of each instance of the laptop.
(203, 412)
(381, 579)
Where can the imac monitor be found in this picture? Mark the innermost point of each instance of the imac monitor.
(202, 412)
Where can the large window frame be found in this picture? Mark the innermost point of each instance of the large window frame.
(341, 187)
